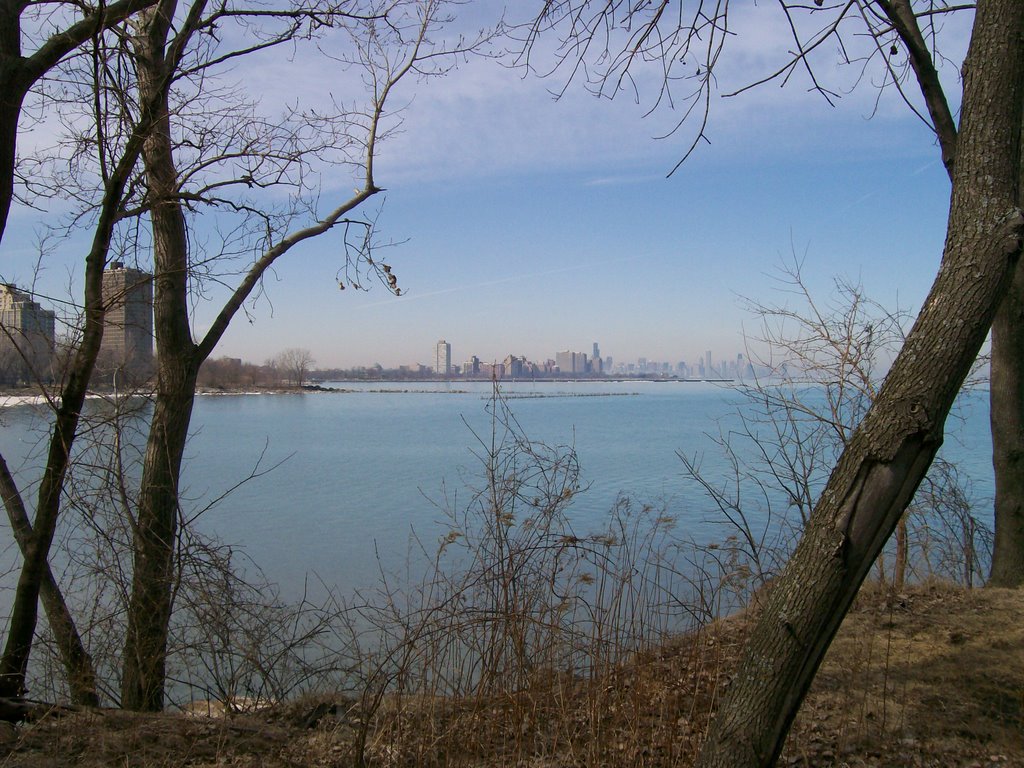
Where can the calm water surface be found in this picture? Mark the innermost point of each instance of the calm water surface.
(355, 474)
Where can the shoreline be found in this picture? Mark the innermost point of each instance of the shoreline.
(11, 400)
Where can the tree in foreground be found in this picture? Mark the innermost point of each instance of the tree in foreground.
(35, 537)
(152, 89)
(386, 43)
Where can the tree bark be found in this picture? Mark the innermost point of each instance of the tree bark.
(12, 94)
(878, 473)
(1006, 403)
(149, 611)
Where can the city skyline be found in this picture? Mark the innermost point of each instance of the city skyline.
(530, 224)
(563, 362)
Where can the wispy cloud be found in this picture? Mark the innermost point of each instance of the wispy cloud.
(624, 180)
(406, 297)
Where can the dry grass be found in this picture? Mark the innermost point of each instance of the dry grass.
(934, 676)
(930, 677)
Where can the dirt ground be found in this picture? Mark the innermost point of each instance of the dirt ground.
(930, 677)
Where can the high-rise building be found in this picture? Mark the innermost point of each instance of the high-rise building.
(443, 359)
(515, 366)
(26, 338)
(597, 353)
(571, 362)
(128, 324)
(709, 371)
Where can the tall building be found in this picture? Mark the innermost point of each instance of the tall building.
(128, 326)
(443, 359)
(709, 371)
(571, 362)
(26, 338)
(515, 366)
(564, 361)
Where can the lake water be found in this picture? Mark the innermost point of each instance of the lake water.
(356, 473)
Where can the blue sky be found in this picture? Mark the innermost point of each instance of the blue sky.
(530, 225)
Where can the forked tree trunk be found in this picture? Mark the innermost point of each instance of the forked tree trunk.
(1006, 402)
(889, 454)
(17, 75)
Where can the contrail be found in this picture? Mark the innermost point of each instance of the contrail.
(869, 195)
(499, 281)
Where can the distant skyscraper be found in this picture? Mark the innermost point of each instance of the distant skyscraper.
(515, 366)
(571, 362)
(128, 323)
(26, 338)
(597, 353)
(443, 358)
(708, 370)
(564, 361)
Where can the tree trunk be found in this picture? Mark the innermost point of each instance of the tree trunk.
(149, 612)
(18, 73)
(78, 666)
(1006, 403)
(876, 476)
(11, 98)
(12, 94)
(16, 76)
(36, 550)
(899, 568)
(81, 674)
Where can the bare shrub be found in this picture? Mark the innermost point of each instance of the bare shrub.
(506, 646)
(820, 365)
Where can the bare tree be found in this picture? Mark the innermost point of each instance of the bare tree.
(388, 42)
(295, 363)
(147, 78)
(605, 43)
(35, 538)
(889, 453)
(819, 362)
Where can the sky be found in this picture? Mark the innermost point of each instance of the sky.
(525, 224)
